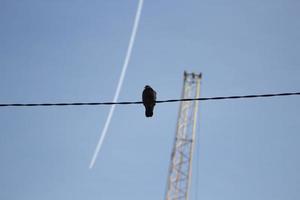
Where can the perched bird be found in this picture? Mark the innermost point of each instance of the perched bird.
(149, 98)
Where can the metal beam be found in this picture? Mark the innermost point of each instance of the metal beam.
(180, 169)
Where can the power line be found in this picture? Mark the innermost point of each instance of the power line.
(232, 97)
(140, 102)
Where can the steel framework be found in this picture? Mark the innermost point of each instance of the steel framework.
(180, 170)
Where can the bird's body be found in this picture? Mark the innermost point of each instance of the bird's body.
(149, 98)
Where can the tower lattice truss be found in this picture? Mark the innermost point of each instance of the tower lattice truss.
(180, 170)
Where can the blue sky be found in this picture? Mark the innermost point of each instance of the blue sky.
(61, 51)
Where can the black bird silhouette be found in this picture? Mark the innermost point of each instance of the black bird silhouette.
(149, 98)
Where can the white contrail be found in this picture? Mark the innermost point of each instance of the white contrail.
(120, 83)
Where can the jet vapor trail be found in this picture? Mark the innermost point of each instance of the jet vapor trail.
(120, 83)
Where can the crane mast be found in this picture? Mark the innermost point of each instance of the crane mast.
(180, 169)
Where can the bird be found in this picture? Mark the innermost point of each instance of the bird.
(149, 99)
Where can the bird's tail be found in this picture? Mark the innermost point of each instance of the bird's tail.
(149, 112)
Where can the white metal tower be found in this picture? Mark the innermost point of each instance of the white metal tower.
(180, 170)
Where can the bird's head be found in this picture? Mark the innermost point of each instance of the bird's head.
(147, 87)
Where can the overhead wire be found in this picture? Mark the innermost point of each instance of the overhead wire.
(160, 101)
